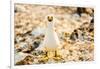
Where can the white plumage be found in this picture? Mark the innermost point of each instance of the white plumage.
(51, 41)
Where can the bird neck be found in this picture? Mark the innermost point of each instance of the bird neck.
(50, 26)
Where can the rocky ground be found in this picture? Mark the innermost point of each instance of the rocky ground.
(74, 26)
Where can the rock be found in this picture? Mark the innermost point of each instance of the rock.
(74, 35)
(36, 44)
(23, 58)
(23, 47)
(80, 10)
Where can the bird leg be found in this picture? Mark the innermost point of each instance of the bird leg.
(46, 54)
(50, 54)
(55, 54)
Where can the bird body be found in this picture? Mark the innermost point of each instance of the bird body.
(51, 41)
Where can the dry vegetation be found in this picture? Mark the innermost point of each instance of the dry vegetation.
(74, 26)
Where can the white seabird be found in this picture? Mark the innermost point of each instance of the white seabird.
(51, 41)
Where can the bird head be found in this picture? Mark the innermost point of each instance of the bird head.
(50, 18)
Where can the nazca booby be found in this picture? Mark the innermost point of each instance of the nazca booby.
(51, 41)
